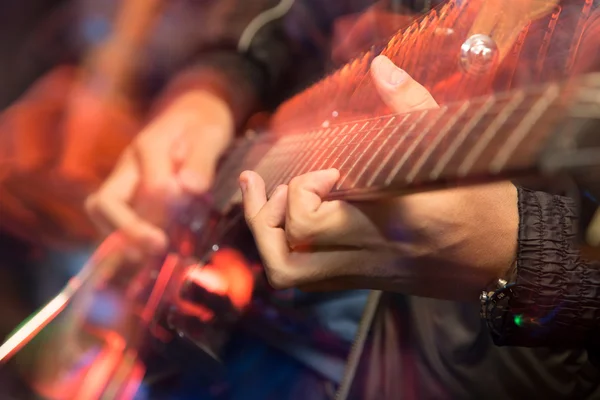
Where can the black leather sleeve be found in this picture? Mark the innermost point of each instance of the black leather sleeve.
(556, 298)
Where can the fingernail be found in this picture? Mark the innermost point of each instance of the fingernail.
(193, 182)
(389, 72)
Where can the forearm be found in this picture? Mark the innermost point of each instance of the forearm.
(557, 293)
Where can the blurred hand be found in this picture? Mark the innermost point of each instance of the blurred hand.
(446, 244)
(40, 201)
(172, 158)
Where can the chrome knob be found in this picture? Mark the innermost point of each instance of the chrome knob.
(478, 54)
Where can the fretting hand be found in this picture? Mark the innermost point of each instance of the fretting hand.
(446, 244)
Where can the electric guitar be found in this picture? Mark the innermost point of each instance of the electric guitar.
(547, 130)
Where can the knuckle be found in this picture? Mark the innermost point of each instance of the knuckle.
(298, 231)
(422, 102)
(279, 279)
(296, 183)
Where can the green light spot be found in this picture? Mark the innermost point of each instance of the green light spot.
(519, 320)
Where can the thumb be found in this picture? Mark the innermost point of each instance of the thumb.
(398, 89)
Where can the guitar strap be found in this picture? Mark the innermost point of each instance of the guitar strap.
(381, 365)
(364, 327)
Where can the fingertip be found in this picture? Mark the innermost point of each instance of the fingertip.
(253, 193)
(245, 176)
(386, 73)
(251, 181)
(279, 190)
(335, 173)
(244, 180)
(330, 175)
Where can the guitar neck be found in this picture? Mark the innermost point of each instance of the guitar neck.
(494, 137)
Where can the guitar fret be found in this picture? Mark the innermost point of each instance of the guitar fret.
(362, 179)
(437, 140)
(441, 124)
(370, 141)
(465, 146)
(543, 51)
(309, 157)
(482, 165)
(524, 127)
(349, 148)
(489, 134)
(279, 150)
(321, 153)
(305, 165)
(414, 120)
(350, 160)
(284, 147)
(303, 150)
(461, 137)
(232, 167)
(251, 158)
(335, 146)
(265, 170)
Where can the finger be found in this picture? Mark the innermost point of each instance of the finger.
(117, 187)
(265, 226)
(272, 212)
(158, 194)
(254, 196)
(306, 193)
(310, 221)
(398, 89)
(308, 190)
(110, 209)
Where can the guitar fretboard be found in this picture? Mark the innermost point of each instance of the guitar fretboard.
(487, 138)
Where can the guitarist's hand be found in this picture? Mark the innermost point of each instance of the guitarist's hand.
(173, 157)
(447, 244)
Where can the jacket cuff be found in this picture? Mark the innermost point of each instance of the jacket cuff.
(556, 298)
